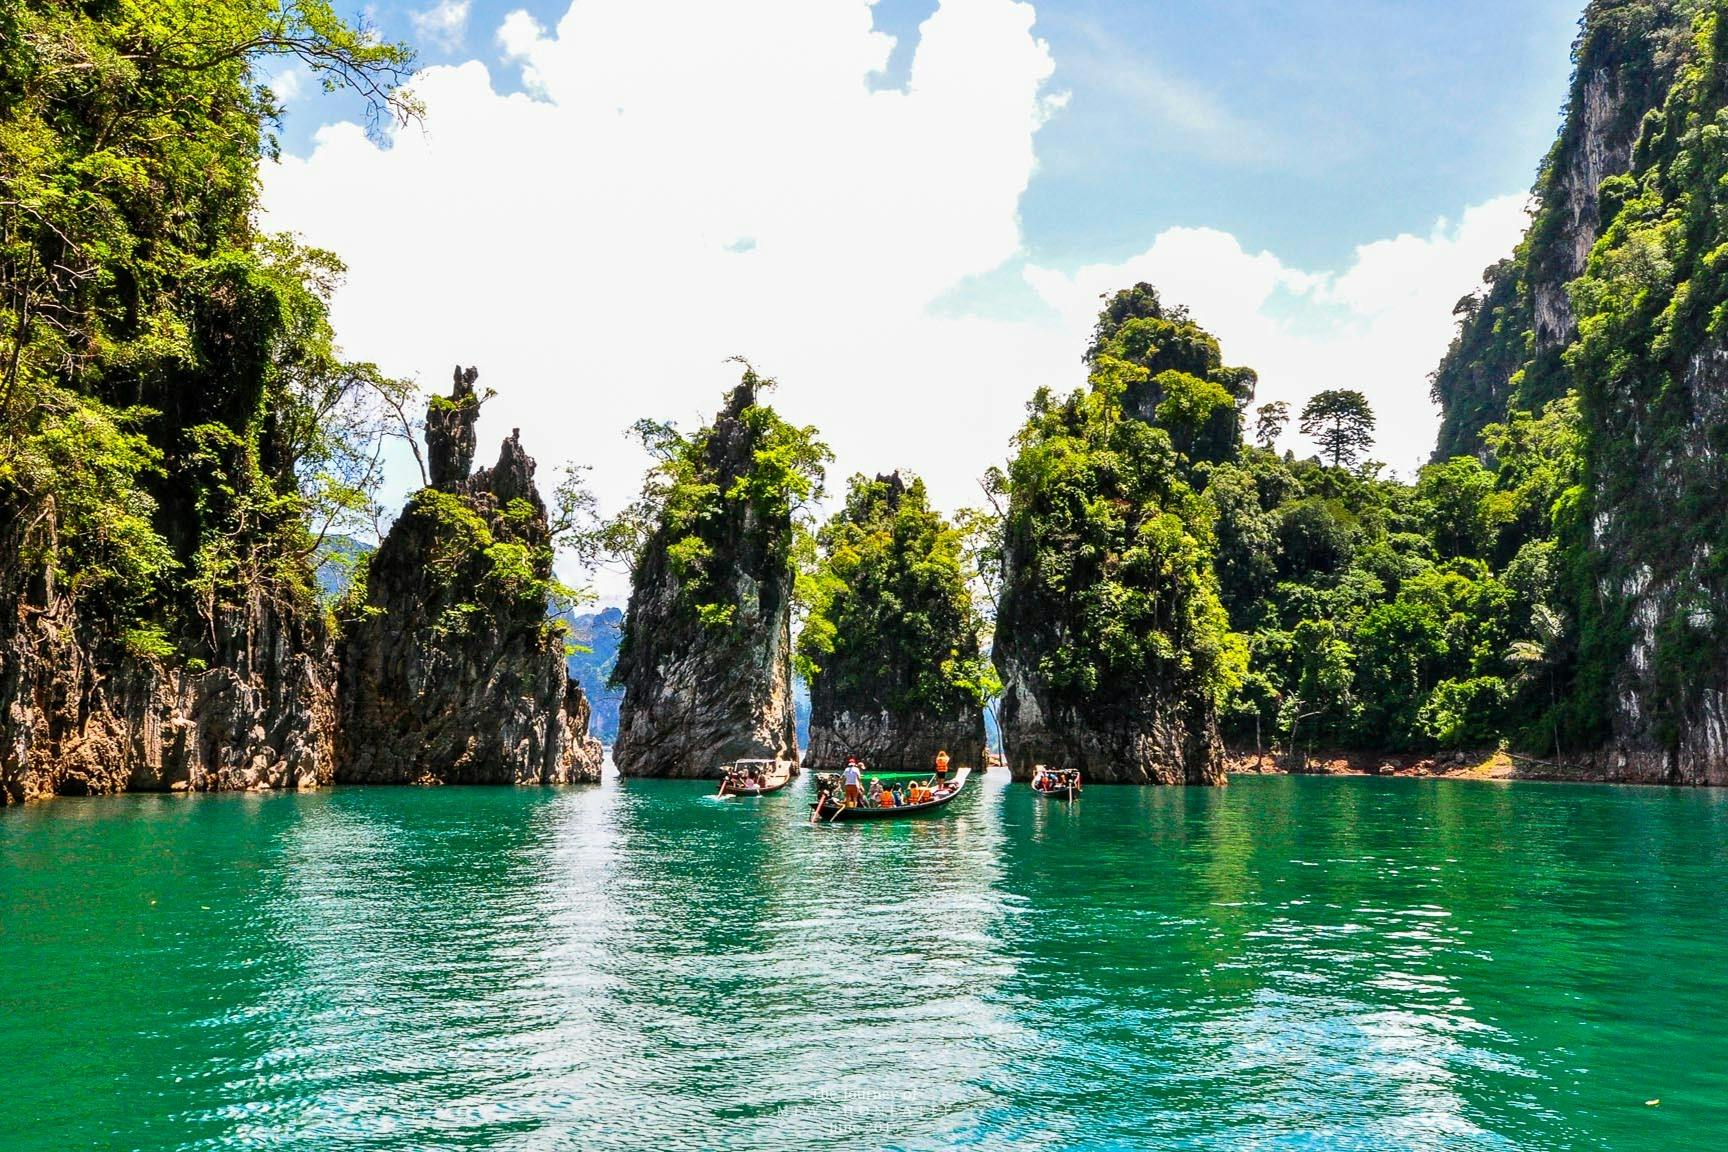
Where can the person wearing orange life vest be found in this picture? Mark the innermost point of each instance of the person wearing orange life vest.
(941, 768)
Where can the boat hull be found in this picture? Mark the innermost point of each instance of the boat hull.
(751, 793)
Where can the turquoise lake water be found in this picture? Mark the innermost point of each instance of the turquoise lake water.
(1281, 964)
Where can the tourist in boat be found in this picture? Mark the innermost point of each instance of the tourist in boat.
(886, 798)
(853, 781)
(942, 767)
(875, 793)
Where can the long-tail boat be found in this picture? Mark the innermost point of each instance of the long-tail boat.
(1057, 785)
(829, 809)
(755, 777)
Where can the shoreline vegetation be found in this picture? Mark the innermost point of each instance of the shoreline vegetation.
(1148, 582)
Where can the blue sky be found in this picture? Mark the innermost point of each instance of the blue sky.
(608, 200)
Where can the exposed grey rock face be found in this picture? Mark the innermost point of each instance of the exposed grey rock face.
(451, 671)
(450, 438)
(1626, 58)
(889, 743)
(80, 716)
(698, 695)
(1159, 741)
(1669, 712)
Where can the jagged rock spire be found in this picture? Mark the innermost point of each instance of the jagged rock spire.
(451, 672)
(450, 430)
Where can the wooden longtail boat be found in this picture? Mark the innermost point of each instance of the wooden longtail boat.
(1059, 791)
(773, 774)
(828, 809)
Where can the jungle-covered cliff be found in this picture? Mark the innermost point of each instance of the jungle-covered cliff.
(168, 382)
(1616, 385)
(1511, 337)
(890, 639)
(181, 440)
(1109, 633)
(706, 655)
(452, 669)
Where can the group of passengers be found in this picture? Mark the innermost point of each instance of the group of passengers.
(1056, 779)
(900, 795)
(748, 778)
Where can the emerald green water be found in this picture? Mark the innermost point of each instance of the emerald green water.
(1283, 964)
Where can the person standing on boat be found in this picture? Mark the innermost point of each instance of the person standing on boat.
(941, 767)
(853, 782)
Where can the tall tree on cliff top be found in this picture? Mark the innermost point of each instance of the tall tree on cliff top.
(1269, 422)
(170, 397)
(1341, 423)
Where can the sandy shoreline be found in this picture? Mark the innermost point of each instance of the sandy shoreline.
(1489, 764)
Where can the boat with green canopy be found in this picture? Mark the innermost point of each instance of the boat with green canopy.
(829, 808)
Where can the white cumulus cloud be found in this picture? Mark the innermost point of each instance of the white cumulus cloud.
(683, 188)
(1380, 325)
(680, 185)
(445, 23)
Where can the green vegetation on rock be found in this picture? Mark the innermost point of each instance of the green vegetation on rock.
(703, 487)
(171, 399)
(889, 619)
(1110, 638)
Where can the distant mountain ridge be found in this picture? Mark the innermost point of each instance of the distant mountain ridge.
(599, 633)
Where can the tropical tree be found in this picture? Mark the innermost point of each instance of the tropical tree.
(172, 404)
(1269, 422)
(1341, 423)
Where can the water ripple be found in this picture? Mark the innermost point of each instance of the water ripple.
(1285, 964)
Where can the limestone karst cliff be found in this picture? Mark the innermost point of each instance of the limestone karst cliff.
(706, 656)
(892, 636)
(1109, 625)
(1615, 303)
(451, 669)
(180, 433)
(158, 624)
(1650, 371)
(82, 715)
(1508, 351)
